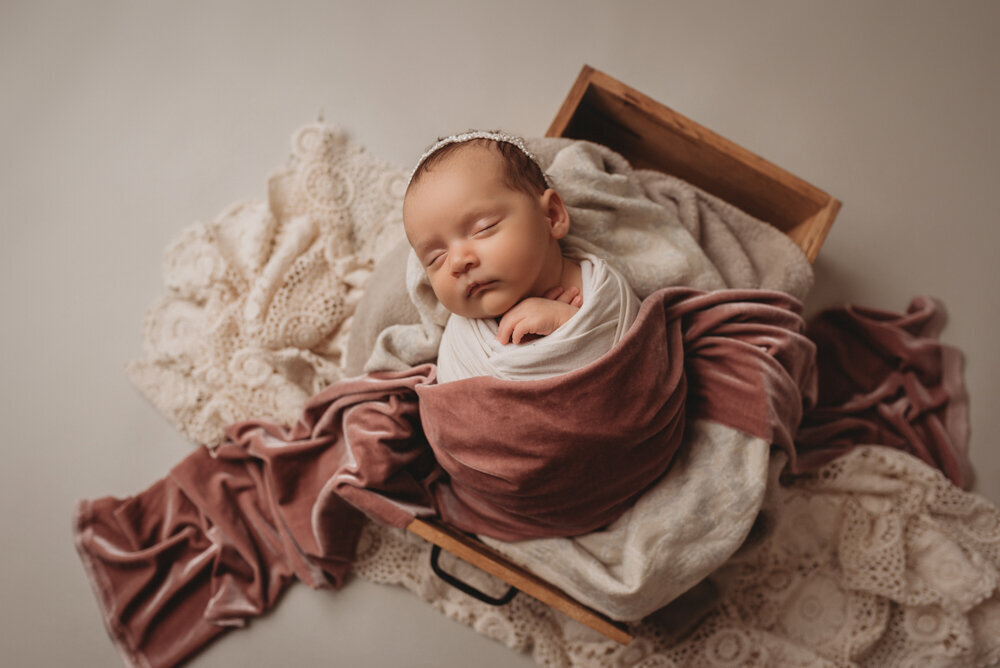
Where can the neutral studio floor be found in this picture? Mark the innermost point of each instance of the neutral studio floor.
(122, 122)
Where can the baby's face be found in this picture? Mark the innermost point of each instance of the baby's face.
(485, 246)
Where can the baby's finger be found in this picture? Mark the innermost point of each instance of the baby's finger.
(577, 301)
(568, 296)
(505, 329)
(520, 331)
(554, 292)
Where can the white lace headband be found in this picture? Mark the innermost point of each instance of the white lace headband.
(479, 134)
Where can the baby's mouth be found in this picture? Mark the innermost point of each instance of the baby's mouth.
(477, 287)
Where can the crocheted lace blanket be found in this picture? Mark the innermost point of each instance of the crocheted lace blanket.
(259, 300)
(875, 560)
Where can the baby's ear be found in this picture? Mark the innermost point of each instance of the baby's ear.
(555, 213)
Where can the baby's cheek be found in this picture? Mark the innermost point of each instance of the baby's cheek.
(441, 291)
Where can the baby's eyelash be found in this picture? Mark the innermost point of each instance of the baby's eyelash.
(483, 229)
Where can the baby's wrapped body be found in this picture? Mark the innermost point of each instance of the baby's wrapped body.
(568, 454)
(469, 346)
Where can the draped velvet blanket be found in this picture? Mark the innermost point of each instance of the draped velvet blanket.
(887, 380)
(214, 542)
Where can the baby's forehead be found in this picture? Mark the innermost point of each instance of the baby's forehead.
(478, 154)
(468, 161)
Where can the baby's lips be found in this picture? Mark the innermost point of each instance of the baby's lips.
(475, 288)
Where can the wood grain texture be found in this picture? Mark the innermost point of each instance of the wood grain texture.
(481, 556)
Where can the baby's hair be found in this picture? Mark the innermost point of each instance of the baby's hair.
(520, 171)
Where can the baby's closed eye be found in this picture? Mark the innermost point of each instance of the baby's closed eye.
(484, 229)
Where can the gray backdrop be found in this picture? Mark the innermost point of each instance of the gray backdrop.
(124, 121)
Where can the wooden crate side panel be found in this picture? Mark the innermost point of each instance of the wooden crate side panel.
(481, 556)
(681, 149)
(810, 234)
(650, 135)
(569, 106)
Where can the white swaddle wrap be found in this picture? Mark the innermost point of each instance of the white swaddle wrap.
(469, 346)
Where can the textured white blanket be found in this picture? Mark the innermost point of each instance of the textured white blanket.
(469, 346)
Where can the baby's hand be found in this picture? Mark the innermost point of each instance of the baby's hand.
(571, 296)
(538, 316)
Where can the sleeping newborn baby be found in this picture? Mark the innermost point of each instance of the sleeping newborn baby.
(486, 227)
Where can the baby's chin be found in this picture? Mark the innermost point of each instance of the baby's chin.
(485, 308)
(477, 314)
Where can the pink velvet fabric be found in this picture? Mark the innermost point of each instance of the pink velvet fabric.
(216, 541)
(611, 428)
(887, 380)
(196, 553)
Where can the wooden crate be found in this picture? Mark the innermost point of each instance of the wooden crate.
(650, 135)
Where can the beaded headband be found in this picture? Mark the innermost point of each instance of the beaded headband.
(479, 134)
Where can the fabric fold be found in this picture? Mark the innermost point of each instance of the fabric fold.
(887, 380)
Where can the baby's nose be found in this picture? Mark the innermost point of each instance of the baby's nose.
(462, 259)
(460, 267)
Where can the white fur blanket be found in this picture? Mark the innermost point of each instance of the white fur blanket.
(875, 560)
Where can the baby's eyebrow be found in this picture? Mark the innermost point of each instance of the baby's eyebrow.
(422, 247)
(476, 214)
